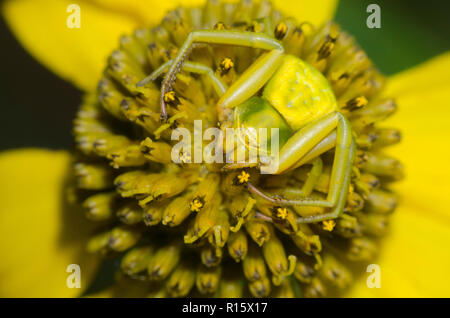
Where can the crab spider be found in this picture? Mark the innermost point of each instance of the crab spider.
(296, 98)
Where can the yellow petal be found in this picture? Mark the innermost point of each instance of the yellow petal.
(79, 55)
(430, 75)
(423, 97)
(145, 11)
(39, 235)
(415, 259)
(76, 55)
(316, 12)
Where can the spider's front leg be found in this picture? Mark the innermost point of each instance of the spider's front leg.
(250, 81)
(305, 141)
(219, 86)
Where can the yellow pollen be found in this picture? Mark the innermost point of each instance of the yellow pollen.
(227, 64)
(282, 213)
(326, 49)
(243, 177)
(280, 30)
(362, 101)
(220, 26)
(328, 225)
(256, 26)
(196, 205)
(358, 101)
(169, 97)
(351, 189)
(185, 157)
(334, 32)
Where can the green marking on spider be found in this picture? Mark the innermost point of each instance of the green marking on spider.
(295, 94)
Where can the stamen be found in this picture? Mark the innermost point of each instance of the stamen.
(356, 102)
(280, 30)
(328, 225)
(326, 48)
(196, 204)
(226, 65)
(254, 27)
(220, 26)
(171, 99)
(281, 213)
(185, 157)
(243, 177)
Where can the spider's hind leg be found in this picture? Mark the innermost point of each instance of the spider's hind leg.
(299, 145)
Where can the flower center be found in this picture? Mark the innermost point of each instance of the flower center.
(187, 228)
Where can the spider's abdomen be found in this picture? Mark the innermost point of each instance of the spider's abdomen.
(299, 92)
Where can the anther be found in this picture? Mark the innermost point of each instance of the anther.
(254, 27)
(220, 26)
(242, 178)
(280, 213)
(226, 65)
(197, 204)
(356, 102)
(185, 157)
(328, 225)
(171, 99)
(280, 30)
(326, 48)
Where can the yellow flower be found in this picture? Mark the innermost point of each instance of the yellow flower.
(37, 241)
(415, 258)
(40, 236)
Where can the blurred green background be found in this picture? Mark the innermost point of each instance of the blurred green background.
(37, 107)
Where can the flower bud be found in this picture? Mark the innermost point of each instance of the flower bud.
(164, 261)
(237, 245)
(100, 207)
(130, 213)
(253, 265)
(181, 280)
(137, 260)
(122, 238)
(92, 176)
(208, 278)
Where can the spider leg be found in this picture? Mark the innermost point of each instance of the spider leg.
(329, 142)
(314, 174)
(268, 26)
(340, 203)
(299, 145)
(266, 64)
(252, 80)
(219, 86)
(306, 190)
